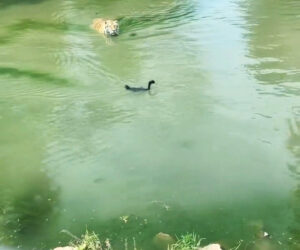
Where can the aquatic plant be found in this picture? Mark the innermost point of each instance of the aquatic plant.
(187, 241)
(90, 241)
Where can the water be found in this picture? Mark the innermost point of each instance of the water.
(212, 149)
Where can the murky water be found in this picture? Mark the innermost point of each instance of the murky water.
(214, 148)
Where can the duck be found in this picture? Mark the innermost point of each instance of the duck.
(135, 89)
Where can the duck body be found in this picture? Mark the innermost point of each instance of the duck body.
(140, 89)
(135, 89)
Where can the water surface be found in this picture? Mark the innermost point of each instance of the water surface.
(212, 149)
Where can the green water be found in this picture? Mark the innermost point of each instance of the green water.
(214, 148)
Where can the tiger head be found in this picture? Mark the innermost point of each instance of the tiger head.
(111, 27)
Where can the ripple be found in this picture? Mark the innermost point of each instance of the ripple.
(296, 110)
(181, 12)
(76, 55)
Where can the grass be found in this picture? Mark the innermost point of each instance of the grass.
(188, 241)
(90, 241)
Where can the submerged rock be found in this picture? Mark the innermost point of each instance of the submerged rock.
(264, 244)
(257, 228)
(211, 247)
(162, 241)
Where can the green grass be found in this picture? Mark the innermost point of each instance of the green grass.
(188, 241)
(90, 241)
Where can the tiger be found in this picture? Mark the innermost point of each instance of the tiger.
(106, 26)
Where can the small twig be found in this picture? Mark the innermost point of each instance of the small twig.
(238, 246)
(70, 234)
(134, 245)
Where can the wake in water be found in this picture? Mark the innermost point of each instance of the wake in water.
(178, 13)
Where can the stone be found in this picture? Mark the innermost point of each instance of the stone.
(211, 247)
(162, 241)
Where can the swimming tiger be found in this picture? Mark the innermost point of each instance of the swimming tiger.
(106, 27)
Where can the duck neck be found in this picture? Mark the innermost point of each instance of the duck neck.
(149, 85)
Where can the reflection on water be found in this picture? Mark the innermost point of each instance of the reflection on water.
(294, 147)
(209, 150)
(5, 3)
(273, 38)
(43, 77)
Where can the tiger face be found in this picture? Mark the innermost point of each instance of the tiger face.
(106, 27)
(111, 27)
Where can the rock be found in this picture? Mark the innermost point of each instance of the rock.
(162, 241)
(65, 248)
(211, 247)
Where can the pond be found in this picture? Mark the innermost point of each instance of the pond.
(213, 148)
